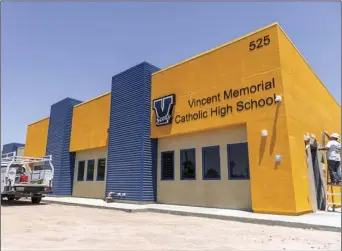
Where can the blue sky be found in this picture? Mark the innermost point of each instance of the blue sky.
(55, 50)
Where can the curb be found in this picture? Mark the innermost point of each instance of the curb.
(99, 207)
(306, 226)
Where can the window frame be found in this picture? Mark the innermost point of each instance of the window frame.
(203, 162)
(78, 170)
(161, 165)
(228, 162)
(181, 163)
(97, 169)
(93, 170)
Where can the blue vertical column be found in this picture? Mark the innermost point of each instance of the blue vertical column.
(132, 154)
(58, 145)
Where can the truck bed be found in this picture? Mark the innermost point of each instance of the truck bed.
(29, 185)
(31, 188)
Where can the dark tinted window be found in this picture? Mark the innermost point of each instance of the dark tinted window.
(188, 164)
(80, 174)
(38, 168)
(90, 170)
(238, 165)
(101, 169)
(167, 172)
(211, 162)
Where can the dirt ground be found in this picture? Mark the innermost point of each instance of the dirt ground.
(25, 226)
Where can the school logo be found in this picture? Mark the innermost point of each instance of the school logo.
(163, 107)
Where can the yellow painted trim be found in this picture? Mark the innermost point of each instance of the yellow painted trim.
(90, 100)
(38, 121)
(282, 213)
(216, 48)
(306, 62)
(88, 148)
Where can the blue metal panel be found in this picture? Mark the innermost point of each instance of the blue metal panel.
(11, 147)
(150, 146)
(58, 145)
(132, 155)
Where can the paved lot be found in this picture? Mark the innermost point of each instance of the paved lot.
(58, 227)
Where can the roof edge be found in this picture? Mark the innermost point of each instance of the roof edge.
(143, 63)
(307, 63)
(90, 100)
(216, 48)
(38, 121)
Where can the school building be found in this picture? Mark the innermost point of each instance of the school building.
(224, 129)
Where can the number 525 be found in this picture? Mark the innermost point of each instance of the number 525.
(260, 42)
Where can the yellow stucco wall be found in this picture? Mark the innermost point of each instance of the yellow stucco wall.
(90, 123)
(310, 108)
(235, 66)
(36, 138)
(229, 66)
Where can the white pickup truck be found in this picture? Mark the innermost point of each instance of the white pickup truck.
(26, 177)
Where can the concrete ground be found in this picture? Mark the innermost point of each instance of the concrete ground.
(320, 220)
(63, 227)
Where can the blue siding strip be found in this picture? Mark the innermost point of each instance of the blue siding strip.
(132, 163)
(58, 145)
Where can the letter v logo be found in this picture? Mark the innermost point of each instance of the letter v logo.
(163, 108)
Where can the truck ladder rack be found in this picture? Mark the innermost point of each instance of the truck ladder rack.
(11, 158)
(327, 183)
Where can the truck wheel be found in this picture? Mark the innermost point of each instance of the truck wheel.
(10, 197)
(36, 199)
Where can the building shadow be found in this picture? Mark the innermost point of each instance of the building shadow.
(262, 148)
(274, 129)
(263, 140)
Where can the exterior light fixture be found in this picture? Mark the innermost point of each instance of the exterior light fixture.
(264, 133)
(277, 99)
(278, 158)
